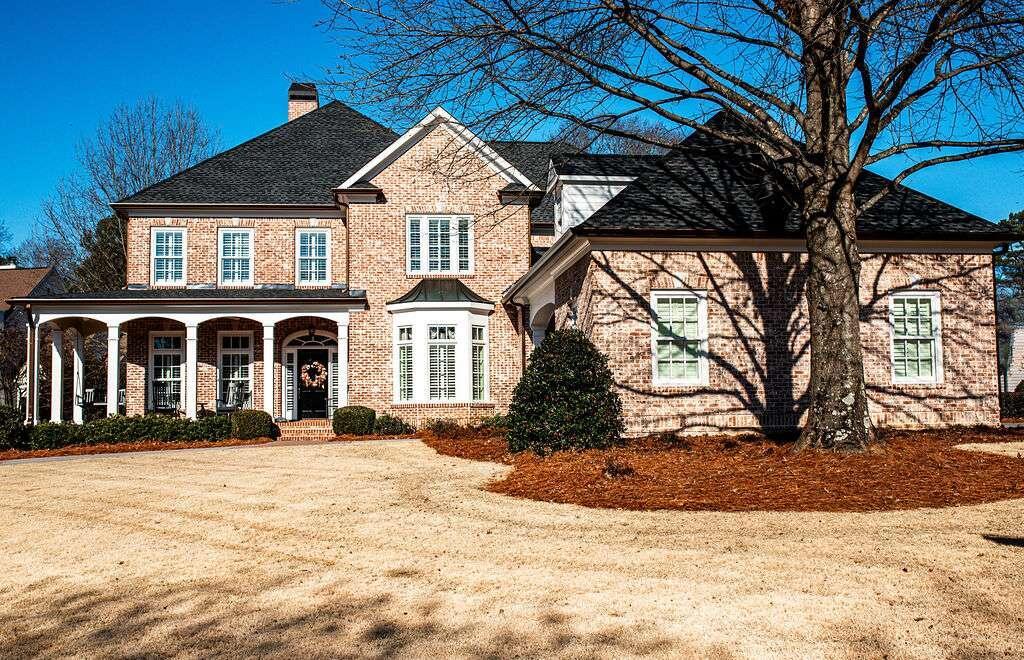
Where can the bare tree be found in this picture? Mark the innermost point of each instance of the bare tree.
(652, 138)
(820, 89)
(135, 147)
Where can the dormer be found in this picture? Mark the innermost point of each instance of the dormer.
(580, 184)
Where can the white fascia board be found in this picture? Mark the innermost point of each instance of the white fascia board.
(438, 116)
(448, 306)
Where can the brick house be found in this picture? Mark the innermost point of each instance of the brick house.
(332, 261)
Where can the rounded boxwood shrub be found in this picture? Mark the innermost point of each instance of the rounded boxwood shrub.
(13, 432)
(565, 398)
(390, 425)
(247, 424)
(215, 427)
(354, 420)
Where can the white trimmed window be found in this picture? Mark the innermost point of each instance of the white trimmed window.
(235, 250)
(166, 381)
(234, 368)
(168, 248)
(441, 349)
(679, 337)
(405, 348)
(439, 244)
(479, 358)
(916, 337)
(313, 257)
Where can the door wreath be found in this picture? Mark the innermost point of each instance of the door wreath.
(314, 375)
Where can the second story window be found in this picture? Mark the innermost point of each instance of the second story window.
(312, 248)
(235, 249)
(439, 244)
(168, 250)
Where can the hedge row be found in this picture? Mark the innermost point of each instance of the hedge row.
(360, 420)
(244, 424)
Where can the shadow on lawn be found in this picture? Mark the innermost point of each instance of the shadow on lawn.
(232, 618)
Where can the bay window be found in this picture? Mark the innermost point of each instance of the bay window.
(447, 241)
(439, 355)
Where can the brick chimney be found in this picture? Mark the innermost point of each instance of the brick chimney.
(302, 98)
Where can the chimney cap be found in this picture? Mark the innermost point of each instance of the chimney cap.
(302, 91)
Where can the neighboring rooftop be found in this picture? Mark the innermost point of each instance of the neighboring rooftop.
(19, 283)
(443, 290)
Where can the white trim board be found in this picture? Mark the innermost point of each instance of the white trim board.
(438, 117)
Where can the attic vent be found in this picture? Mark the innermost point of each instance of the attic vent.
(302, 98)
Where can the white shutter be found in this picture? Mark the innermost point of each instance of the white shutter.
(332, 398)
(288, 378)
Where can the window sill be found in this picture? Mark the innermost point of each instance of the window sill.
(443, 404)
(421, 276)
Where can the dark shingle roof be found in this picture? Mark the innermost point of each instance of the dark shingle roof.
(440, 290)
(212, 295)
(695, 189)
(301, 161)
(530, 158)
(602, 164)
(295, 163)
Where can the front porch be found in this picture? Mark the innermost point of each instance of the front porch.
(190, 357)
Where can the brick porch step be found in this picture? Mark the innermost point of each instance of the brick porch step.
(306, 429)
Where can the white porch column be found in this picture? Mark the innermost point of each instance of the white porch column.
(56, 375)
(342, 363)
(268, 369)
(32, 375)
(113, 367)
(78, 378)
(191, 370)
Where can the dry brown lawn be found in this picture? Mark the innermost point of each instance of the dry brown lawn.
(386, 548)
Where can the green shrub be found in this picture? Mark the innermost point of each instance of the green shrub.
(354, 420)
(217, 427)
(53, 435)
(565, 398)
(1011, 404)
(247, 424)
(13, 432)
(390, 425)
(120, 429)
(494, 423)
(444, 428)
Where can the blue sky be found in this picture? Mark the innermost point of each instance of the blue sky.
(63, 70)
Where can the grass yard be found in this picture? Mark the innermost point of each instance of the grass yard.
(388, 548)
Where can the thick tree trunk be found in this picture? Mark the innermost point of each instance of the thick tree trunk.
(838, 412)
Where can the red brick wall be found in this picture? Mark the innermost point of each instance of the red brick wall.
(758, 342)
(429, 178)
(274, 245)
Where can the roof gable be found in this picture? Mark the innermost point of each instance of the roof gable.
(463, 136)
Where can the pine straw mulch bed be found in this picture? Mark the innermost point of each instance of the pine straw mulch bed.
(753, 473)
(126, 447)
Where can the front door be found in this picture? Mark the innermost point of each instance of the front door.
(314, 376)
